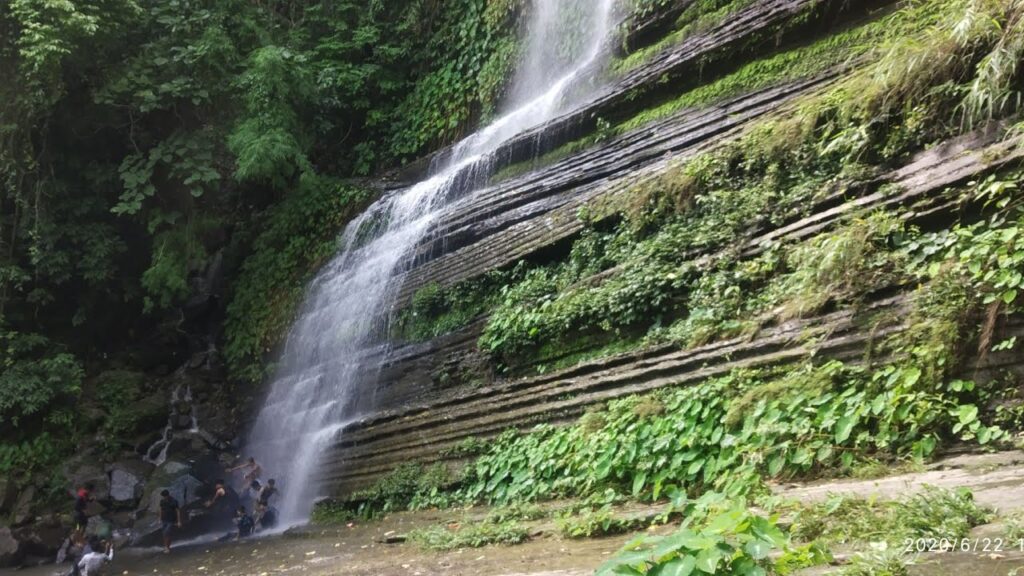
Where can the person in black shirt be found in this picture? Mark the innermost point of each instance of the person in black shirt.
(263, 501)
(244, 526)
(170, 516)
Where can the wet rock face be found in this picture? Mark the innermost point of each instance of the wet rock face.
(174, 476)
(23, 506)
(42, 538)
(99, 527)
(11, 550)
(87, 470)
(422, 428)
(8, 494)
(128, 481)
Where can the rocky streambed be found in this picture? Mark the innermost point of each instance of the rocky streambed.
(182, 441)
(379, 548)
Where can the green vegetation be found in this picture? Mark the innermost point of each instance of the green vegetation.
(472, 535)
(722, 536)
(296, 237)
(590, 521)
(716, 537)
(793, 422)
(435, 311)
(877, 563)
(409, 486)
(930, 514)
(697, 17)
(148, 148)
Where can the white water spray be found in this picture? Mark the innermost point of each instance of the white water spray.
(323, 380)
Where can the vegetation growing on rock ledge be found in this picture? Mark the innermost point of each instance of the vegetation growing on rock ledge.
(679, 258)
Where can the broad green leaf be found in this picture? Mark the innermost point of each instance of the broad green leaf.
(638, 482)
(801, 456)
(681, 566)
(967, 413)
(844, 427)
(708, 559)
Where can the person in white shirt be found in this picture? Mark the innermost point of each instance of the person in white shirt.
(92, 563)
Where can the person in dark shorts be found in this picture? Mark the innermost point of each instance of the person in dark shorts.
(170, 517)
(81, 520)
(244, 526)
(74, 553)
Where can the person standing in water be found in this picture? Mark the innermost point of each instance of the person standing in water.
(93, 562)
(253, 471)
(244, 526)
(263, 504)
(170, 517)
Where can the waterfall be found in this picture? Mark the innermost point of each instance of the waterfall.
(324, 378)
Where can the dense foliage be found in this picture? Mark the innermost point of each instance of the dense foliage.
(297, 236)
(148, 147)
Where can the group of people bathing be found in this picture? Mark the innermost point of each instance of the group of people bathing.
(90, 554)
(228, 503)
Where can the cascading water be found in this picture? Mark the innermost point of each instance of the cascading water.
(324, 377)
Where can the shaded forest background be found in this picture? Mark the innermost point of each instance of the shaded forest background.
(171, 171)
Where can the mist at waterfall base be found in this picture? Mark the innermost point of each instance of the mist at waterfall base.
(326, 376)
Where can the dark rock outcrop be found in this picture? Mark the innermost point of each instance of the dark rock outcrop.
(12, 550)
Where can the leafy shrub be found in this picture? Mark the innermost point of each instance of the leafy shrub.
(590, 521)
(930, 513)
(473, 535)
(269, 142)
(723, 540)
(850, 413)
(883, 562)
(795, 558)
(408, 486)
(435, 311)
(118, 394)
(34, 376)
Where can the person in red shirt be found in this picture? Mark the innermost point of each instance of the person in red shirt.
(81, 519)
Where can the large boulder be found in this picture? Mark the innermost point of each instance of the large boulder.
(186, 446)
(23, 506)
(99, 527)
(175, 477)
(144, 442)
(12, 551)
(128, 481)
(43, 537)
(86, 470)
(198, 520)
(8, 494)
(150, 414)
